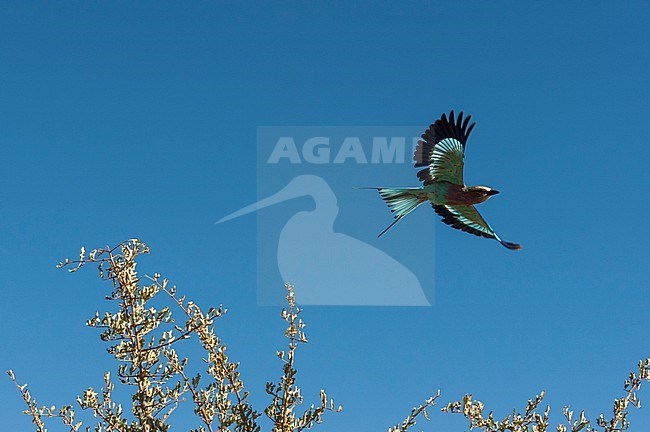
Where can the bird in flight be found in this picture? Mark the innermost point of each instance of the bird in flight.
(441, 152)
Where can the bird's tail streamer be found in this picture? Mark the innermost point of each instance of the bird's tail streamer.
(401, 202)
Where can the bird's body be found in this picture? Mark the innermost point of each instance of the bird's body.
(442, 152)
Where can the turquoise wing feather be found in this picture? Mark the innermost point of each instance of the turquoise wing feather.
(467, 218)
(442, 150)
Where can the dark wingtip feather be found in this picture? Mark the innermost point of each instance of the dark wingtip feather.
(511, 246)
(453, 126)
(466, 122)
(469, 130)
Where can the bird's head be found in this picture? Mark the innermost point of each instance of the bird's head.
(482, 192)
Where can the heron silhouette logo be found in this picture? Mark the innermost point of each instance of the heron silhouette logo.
(318, 260)
(328, 267)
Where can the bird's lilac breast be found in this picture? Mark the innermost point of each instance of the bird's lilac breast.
(451, 194)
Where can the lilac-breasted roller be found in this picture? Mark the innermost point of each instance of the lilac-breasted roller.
(442, 152)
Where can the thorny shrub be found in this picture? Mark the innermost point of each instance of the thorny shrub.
(143, 340)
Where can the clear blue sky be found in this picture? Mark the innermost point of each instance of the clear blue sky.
(121, 120)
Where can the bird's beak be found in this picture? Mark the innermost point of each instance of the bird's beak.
(493, 192)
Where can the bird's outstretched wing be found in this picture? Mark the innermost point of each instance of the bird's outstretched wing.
(442, 149)
(467, 218)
